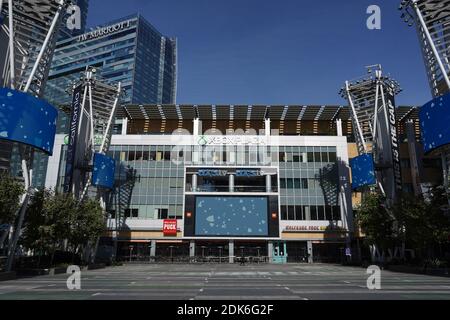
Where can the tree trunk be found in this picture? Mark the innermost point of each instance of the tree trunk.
(53, 254)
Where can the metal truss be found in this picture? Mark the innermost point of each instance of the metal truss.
(432, 20)
(35, 26)
(367, 97)
(370, 97)
(99, 105)
(29, 34)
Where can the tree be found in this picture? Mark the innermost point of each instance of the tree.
(48, 221)
(87, 225)
(34, 236)
(376, 222)
(60, 210)
(10, 192)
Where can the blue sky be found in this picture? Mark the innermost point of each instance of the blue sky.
(278, 52)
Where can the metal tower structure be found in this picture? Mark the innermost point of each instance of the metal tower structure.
(93, 108)
(28, 32)
(372, 103)
(432, 21)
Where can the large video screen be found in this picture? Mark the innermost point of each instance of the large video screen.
(27, 119)
(231, 216)
(434, 123)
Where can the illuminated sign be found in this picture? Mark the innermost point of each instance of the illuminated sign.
(27, 119)
(104, 31)
(170, 227)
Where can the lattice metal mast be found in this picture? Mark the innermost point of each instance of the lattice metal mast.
(371, 104)
(432, 20)
(100, 101)
(31, 30)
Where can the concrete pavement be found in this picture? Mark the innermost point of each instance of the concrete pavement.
(224, 281)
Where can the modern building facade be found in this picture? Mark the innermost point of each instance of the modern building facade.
(129, 50)
(226, 181)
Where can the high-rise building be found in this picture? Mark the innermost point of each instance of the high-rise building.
(128, 50)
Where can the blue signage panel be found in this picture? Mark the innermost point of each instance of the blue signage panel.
(231, 216)
(27, 119)
(363, 171)
(435, 123)
(103, 172)
(72, 137)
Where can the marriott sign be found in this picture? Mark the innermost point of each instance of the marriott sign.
(100, 32)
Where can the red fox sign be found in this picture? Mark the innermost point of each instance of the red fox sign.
(170, 227)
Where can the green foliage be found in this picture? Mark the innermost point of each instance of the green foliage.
(88, 224)
(419, 222)
(35, 236)
(53, 218)
(375, 220)
(10, 192)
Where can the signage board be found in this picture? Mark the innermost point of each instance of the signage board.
(170, 227)
(395, 143)
(434, 123)
(363, 171)
(100, 32)
(27, 119)
(103, 171)
(72, 138)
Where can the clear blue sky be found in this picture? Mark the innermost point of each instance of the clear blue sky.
(278, 52)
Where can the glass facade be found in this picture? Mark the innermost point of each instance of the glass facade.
(308, 178)
(309, 183)
(130, 51)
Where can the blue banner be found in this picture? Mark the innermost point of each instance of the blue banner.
(103, 171)
(27, 119)
(73, 137)
(435, 123)
(363, 171)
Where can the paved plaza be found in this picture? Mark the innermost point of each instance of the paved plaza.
(224, 281)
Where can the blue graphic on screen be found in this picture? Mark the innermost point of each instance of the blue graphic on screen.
(435, 123)
(363, 171)
(27, 119)
(231, 216)
(104, 170)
